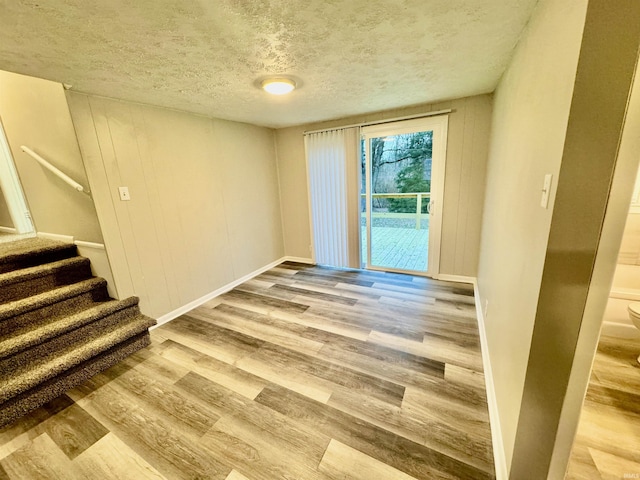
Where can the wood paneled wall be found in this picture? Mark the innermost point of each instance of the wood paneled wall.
(467, 151)
(34, 113)
(204, 208)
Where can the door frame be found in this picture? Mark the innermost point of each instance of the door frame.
(12, 188)
(439, 125)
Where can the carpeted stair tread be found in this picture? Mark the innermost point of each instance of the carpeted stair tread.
(18, 307)
(61, 343)
(24, 282)
(33, 251)
(47, 391)
(42, 369)
(58, 326)
(29, 336)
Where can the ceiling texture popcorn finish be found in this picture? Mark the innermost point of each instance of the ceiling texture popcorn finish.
(209, 56)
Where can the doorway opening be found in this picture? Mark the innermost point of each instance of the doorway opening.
(402, 169)
(14, 211)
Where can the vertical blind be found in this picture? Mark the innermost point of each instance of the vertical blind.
(333, 164)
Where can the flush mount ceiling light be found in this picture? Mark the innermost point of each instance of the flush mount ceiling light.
(278, 86)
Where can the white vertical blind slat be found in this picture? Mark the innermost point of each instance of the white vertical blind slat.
(328, 157)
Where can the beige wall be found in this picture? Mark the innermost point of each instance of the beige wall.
(531, 110)
(204, 208)
(467, 148)
(5, 216)
(34, 113)
(630, 247)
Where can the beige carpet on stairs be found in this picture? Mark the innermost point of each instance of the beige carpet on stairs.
(58, 326)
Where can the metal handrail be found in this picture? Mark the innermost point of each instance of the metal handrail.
(63, 176)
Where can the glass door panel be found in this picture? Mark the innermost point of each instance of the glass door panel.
(398, 163)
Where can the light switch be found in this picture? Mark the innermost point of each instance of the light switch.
(124, 193)
(546, 190)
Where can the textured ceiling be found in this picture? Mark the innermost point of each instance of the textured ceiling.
(207, 56)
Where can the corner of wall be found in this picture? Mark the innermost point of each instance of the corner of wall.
(277, 156)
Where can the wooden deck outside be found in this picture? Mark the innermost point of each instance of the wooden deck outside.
(397, 248)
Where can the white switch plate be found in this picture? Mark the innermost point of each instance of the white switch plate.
(124, 193)
(546, 189)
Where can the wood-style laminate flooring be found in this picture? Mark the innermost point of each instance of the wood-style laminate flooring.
(607, 444)
(301, 373)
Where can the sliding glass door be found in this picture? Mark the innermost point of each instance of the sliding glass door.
(401, 195)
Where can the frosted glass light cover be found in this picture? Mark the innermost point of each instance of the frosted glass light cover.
(278, 86)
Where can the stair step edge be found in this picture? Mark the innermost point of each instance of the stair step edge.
(28, 338)
(44, 369)
(53, 247)
(31, 273)
(44, 392)
(19, 307)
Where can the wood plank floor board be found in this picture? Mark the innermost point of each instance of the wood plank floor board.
(452, 438)
(300, 373)
(397, 372)
(234, 475)
(263, 300)
(323, 323)
(582, 466)
(246, 324)
(310, 276)
(324, 374)
(27, 424)
(471, 421)
(607, 443)
(418, 363)
(112, 458)
(599, 396)
(173, 454)
(258, 456)
(40, 459)
(431, 349)
(342, 461)
(165, 401)
(412, 325)
(293, 380)
(229, 376)
(462, 376)
(464, 398)
(376, 319)
(248, 321)
(399, 452)
(338, 289)
(418, 314)
(73, 430)
(227, 346)
(296, 436)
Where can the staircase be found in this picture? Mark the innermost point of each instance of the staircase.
(58, 326)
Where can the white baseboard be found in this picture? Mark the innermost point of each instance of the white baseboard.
(209, 296)
(455, 278)
(308, 261)
(56, 236)
(499, 456)
(630, 294)
(8, 230)
(620, 330)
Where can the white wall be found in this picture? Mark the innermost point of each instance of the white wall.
(204, 208)
(530, 114)
(34, 113)
(467, 147)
